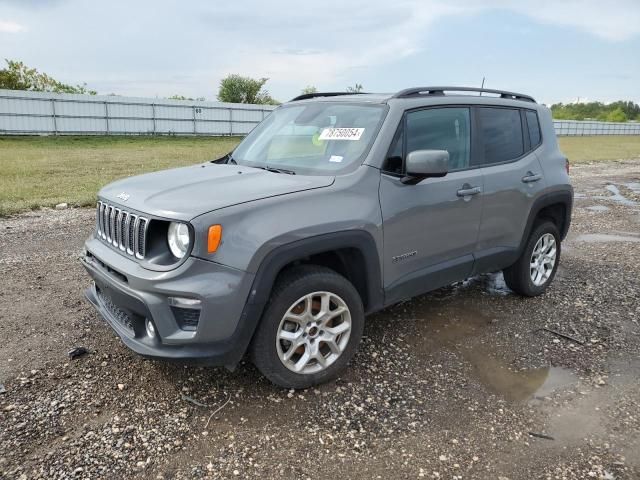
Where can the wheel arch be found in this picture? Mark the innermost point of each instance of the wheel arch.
(351, 253)
(555, 206)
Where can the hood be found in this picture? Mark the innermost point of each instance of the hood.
(185, 193)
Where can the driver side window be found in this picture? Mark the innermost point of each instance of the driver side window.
(433, 129)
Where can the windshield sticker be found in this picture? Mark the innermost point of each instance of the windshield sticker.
(336, 158)
(341, 134)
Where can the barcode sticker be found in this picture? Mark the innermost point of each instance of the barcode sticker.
(341, 134)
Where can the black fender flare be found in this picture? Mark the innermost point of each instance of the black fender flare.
(283, 255)
(564, 197)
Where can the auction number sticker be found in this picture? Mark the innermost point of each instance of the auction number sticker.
(341, 134)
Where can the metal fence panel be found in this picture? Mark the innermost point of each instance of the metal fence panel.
(40, 113)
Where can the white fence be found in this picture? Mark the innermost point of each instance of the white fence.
(36, 113)
(582, 128)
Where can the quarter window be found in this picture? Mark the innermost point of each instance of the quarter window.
(534, 128)
(441, 129)
(501, 130)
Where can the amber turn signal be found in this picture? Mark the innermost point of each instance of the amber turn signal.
(214, 238)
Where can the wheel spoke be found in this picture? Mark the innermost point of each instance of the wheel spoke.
(331, 343)
(333, 314)
(290, 336)
(302, 361)
(325, 305)
(338, 329)
(292, 350)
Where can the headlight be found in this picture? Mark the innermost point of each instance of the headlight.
(178, 238)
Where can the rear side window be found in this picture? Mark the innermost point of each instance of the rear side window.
(534, 128)
(441, 129)
(501, 130)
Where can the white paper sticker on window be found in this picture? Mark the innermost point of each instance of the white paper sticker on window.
(336, 158)
(341, 133)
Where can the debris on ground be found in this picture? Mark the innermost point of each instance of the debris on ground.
(77, 352)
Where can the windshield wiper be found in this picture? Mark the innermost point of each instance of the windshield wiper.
(226, 159)
(277, 170)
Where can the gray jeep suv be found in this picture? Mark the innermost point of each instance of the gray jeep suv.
(335, 206)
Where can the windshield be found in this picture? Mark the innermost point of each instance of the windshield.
(312, 138)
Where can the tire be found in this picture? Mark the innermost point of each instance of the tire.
(520, 278)
(298, 293)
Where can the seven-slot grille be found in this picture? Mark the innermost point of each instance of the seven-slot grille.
(122, 229)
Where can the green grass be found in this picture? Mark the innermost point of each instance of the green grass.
(599, 148)
(45, 171)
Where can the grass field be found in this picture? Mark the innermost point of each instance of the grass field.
(45, 171)
(598, 148)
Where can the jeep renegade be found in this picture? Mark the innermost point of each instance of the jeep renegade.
(335, 206)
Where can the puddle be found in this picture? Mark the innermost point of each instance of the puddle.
(518, 385)
(633, 186)
(487, 283)
(598, 208)
(616, 196)
(454, 326)
(606, 238)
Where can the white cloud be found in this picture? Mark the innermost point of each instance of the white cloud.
(325, 45)
(347, 36)
(11, 27)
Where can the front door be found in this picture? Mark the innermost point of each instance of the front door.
(431, 228)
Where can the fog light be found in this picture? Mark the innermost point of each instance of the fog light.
(151, 331)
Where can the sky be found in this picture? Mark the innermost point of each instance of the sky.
(554, 50)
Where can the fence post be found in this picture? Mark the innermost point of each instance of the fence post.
(193, 112)
(53, 114)
(153, 115)
(230, 121)
(106, 117)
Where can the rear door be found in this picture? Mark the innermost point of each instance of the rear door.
(431, 228)
(513, 177)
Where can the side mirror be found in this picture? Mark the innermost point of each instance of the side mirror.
(423, 164)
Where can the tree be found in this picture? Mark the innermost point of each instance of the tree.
(309, 89)
(17, 76)
(182, 97)
(620, 110)
(357, 88)
(617, 115)
(238, 89)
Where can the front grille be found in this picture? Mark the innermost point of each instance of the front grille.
(124, 230)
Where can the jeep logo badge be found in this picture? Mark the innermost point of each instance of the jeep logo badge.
(124, 196)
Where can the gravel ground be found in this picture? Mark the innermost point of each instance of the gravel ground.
(462, 383)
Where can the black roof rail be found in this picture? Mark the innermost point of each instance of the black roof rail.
(306, 96)
(409, 92)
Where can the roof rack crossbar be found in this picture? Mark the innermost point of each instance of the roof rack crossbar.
(306, 96)
(409, 92)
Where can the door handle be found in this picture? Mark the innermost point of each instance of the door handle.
(531, 177)
(468, 190)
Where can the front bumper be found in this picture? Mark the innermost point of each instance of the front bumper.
(127, 295)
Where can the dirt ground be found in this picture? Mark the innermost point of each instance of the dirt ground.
(468, 382)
